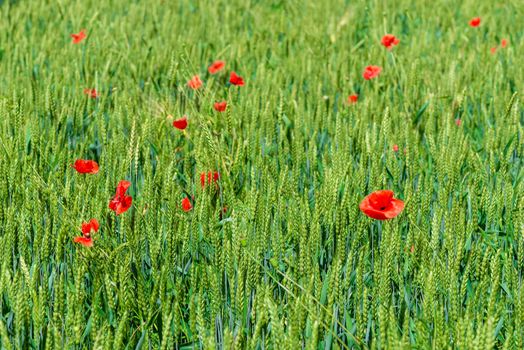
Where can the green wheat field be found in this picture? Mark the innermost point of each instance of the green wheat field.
(246, 228)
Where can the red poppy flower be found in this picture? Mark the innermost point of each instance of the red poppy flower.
(86, 166)
(92, 225)
(85, 241)
(195, 82)
(389, 40)
(91, 92)
(458, 122)
(211, 177)
(186, 204)
(181, 123)
(395, 148)
(381, 205)
(474, 22)
(503, 43)
(352, 99)
(77, 38)
(235, 79)
(216, 67)
(120, 202)
(87, 227)
(220, 106)
(371, 72)
(493, 50)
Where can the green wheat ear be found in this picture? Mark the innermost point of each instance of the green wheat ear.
(293, 262)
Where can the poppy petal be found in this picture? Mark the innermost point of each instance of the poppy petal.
(381, 205)
(389, 40)
(220, 106)
(86, 227)
(352, 98)
(371, 72)
(124, 205)
(120, 202)
(77, 38)
(86, 166)
(122, 187)
(181, 123)
(94, 224)
(235, 79)
(113, 203)
(474, 22)
(85, 241)
(195, 82)
(91, 92)
(186, 204)
(216, 66)
(395, 208)
(380, 199)
(203, 179)
(372, 213)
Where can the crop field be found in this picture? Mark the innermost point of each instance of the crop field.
(261, 174)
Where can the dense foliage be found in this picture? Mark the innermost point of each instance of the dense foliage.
(273, 252)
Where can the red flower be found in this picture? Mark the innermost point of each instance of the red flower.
(475, 22)
(120, 202)
(389, 40)
(395, 148)
(381, 205)
(371, 72)
(211, 176)
(195, 82)
(86, 166)
(186, 204)
(503, 43)
(352, 98)
(77, 38)
(87, 227)
(92, 225)
(236, 79)
(216, 67)
(458, 122)
(85, 241)
(181, 123)
(91, 92)
(493, 50)
(220, 106)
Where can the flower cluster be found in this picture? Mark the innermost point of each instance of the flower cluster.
(379, 205)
